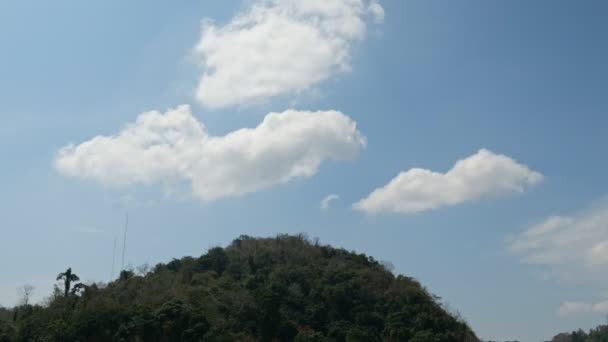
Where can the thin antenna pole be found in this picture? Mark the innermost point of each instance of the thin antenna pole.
(113, 258)
(124, 242)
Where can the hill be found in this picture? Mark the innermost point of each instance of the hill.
(273, 289)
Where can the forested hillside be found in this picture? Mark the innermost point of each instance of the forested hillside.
(275, 289)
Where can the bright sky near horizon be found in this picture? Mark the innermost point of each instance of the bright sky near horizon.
(464, 142)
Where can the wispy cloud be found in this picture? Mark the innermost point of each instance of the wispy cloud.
(278, 47)
(174, 147)
(482, 174)
(377, 11)
(578, 308)
(90, 230)
(578, 241)
(325, 202)
(571, 248)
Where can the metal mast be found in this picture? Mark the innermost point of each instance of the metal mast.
(113, 258)
(124, 243)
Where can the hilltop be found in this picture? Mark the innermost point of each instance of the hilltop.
(285, 288)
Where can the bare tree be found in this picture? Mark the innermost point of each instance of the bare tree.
(25, 294)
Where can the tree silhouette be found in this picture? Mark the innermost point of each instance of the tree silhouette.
(77, 289)
(68, 277)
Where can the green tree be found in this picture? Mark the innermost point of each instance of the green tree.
(68, 277)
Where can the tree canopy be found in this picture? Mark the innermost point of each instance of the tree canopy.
(285, 288)
(597, 334)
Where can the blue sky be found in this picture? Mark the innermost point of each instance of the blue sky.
(428, 83)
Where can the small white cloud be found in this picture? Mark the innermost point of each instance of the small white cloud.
(567, 309)
(327, 201)
(174, 147)
(567, 244)
(482, 174)
(279, 47)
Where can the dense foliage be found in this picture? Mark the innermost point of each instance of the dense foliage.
(278, 289)
(598, 334)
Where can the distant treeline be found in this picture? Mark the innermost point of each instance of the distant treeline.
(598, 334)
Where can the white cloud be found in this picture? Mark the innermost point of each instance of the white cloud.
(327, 201)
(570, 248)
(279, 47)
(377, 11)
(481, 174)
(577, 308)
(174, 147)
(567, 244)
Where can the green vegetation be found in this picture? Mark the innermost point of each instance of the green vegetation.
(277, 289)
(598, 334)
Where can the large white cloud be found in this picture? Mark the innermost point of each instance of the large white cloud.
(481, 174)
(174, 147)
(278, 47)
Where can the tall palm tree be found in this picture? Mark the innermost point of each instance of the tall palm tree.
(68, 277)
